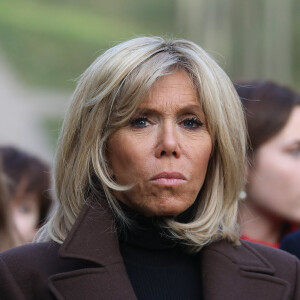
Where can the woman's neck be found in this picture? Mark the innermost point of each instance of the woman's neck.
(258, 224)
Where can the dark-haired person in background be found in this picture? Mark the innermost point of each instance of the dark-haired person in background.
(9, 237)
(28, 180)
(272, 191)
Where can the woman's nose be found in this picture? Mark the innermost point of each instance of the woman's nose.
(167, 142)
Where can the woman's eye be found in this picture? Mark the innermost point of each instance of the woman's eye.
(24, 209)
(192, 123)
(295, 152)
(139, 122)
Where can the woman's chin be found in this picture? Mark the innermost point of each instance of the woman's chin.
(164, 209)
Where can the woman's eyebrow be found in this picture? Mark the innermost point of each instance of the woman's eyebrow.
(146, 111)
(191, 108)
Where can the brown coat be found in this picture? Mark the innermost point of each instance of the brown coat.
(88, 265)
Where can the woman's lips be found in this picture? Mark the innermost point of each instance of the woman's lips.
(168, 178)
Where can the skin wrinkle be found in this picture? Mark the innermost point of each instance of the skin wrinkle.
(173, 100)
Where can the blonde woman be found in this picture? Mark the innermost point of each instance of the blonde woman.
(149, 167)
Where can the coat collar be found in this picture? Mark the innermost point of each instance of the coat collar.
(228, 272)
(93, 236)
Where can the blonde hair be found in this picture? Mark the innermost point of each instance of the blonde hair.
(106, 97)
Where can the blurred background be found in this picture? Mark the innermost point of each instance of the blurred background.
(46, 44)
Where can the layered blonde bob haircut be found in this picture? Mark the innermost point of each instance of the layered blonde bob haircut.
(106, 98)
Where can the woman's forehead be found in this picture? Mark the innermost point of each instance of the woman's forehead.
(175, 88)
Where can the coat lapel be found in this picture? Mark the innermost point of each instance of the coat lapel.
(235, 272)
(93, 239)
(92, 284)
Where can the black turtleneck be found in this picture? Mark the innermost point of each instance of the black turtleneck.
(157, 266)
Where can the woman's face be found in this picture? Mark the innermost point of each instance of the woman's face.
(25, 212)
(164, 151)
(274, 180)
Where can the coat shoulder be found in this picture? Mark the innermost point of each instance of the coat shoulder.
(249, 256)
(273, 255)
(283, 265)
(32, 256)
(42, 259)
(262, 271)
(24, 270)
(29, 249)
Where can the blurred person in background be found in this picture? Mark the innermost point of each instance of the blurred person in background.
(9, 237)
(28, 180)
(148, 172)
(271, 205)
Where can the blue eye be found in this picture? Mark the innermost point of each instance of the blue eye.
(295, 152)
(192, 123)
(139, 122)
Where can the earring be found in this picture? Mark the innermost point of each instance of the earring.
(243, 195)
